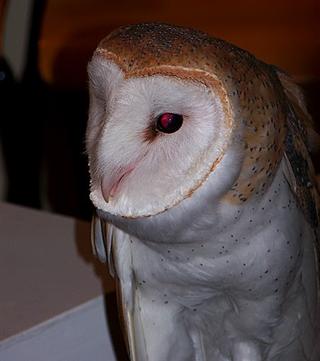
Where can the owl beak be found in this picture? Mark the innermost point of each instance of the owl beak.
(111, 183)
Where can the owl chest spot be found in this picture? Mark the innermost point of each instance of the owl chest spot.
(242, 273)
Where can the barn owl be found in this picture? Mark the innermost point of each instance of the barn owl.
(207, 206)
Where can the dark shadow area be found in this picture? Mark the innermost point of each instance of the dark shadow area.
(114, 327)
(312, 96)
(65, 162)
(21, 123)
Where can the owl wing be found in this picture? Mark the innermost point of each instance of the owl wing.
(112, 246)
(101, 241)
(128, 297)
(297, 102)
(301, 139)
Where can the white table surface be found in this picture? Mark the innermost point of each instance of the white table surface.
(51, 289)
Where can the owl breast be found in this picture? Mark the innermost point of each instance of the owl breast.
(244, 272)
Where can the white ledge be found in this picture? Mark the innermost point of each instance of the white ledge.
(51, 300)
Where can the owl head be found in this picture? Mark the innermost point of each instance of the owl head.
(168, 122)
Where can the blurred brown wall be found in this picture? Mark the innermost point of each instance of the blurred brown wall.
(282, 32)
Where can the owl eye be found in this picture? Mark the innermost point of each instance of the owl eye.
(169, 122)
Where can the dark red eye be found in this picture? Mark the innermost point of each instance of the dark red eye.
(169, 122)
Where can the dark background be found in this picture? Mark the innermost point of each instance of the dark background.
(43, 115)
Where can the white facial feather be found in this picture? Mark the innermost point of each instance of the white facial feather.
(159, 173)
(104, 76)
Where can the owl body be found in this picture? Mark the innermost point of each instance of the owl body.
(218, 294)
(210, 228)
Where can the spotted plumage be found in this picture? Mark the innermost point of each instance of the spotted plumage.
(211, 224)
